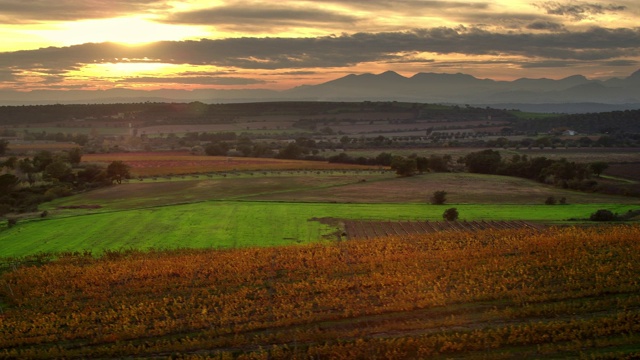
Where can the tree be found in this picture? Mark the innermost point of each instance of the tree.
(404, 166)
(450, 214)
(598, 167)
(439, 197)
(58, 170)
(483, 162)
(28, 170)
(384, 159)
(75, 156)
(291, 151)
(3, 146)
(117, 171)
(8, 182)
(603, 215)
(422, 164)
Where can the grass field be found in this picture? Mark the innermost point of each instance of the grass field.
(279, 208)
(230, 224)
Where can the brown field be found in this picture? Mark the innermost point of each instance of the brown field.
(176, 163)
(585, 155)
(372, 229)
(461, 188)
(629, 171)
(54, 146)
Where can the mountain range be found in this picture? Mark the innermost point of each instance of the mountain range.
(572, 94)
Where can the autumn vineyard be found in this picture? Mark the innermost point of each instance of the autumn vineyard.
(493, 293)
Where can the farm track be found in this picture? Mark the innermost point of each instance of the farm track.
(371, 229)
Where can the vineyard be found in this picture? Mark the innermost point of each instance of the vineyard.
(495, 293)
(371, 229)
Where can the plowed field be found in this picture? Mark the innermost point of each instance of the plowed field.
(370, 229)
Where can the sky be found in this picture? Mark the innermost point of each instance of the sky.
(242, 44)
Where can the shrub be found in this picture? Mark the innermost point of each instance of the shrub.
(550, 200)
(603, 215)
(450, 214)
(439, 197)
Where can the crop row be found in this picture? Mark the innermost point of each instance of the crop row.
(371, 229)
(567, 287)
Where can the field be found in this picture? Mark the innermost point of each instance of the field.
(180, 163)
(257, 258)
(280, 208)
(557, 293)
(372, 229)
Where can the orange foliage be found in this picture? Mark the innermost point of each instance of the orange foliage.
(293, 301)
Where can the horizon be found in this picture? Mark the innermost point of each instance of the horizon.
(230, 44)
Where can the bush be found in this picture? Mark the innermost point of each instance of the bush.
(439, 197)
(450, 214)
(603, 215)
(550, 201)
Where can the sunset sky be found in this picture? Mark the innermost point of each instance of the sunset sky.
(227, 44)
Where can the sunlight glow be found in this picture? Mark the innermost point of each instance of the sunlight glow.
(128, 30)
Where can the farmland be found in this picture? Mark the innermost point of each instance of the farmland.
(179, 163)
(229, 203)
(280, 209)
(262, 253)
(561, 293)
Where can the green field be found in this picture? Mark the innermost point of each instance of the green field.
(229, 224)
(280, 209)
(273, 210)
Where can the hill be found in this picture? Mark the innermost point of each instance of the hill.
(563, 94)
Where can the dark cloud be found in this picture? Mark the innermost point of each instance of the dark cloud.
(545, 25)
(621, 62)
(21, 11)
(261, 15)
(579, 10)
(340, 51)
(547, 64)
(193, 80)
(300, 72)
(7, 76)
(403, 5)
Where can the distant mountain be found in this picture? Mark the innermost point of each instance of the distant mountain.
(568, 93)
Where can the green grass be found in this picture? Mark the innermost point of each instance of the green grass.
(229, 224)
(278, 208)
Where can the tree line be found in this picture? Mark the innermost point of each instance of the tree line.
(27, 182)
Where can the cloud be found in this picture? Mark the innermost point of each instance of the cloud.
(193, 80)
(545, 25)
(21, 11)
(7, 76)
(547, 64)
(579, 10)
(621, 62)
(403, 5)
(338, 51)
(259, 15)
